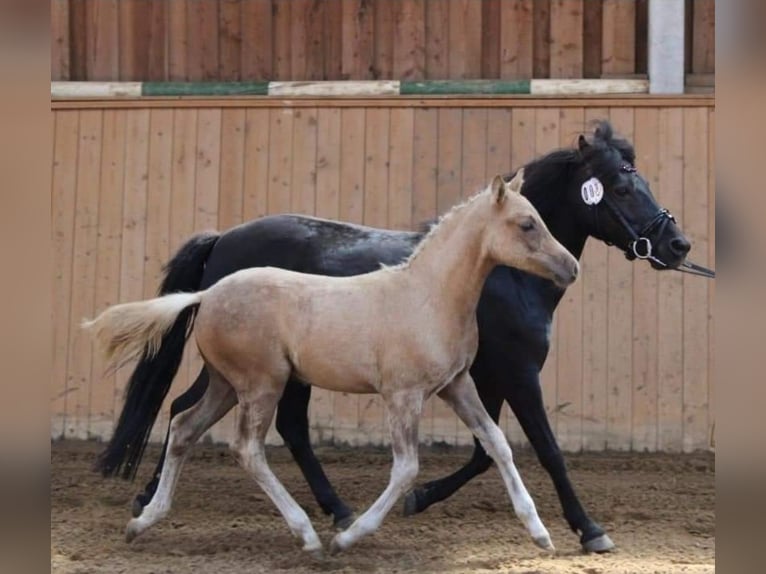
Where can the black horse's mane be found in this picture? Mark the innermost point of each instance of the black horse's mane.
(549, 174)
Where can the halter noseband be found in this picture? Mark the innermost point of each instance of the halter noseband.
(640, 246)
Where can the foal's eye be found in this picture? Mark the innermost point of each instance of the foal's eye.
(527, 225)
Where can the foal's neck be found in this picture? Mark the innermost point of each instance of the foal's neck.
(452, 262)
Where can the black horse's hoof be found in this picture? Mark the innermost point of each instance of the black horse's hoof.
(138, 506)
(344, 522)
(598, 545)
(411, 505)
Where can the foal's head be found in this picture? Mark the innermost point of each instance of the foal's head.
(517, 236)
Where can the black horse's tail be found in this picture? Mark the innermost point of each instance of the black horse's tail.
(150, 382)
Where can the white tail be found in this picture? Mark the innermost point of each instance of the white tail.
(125, 330)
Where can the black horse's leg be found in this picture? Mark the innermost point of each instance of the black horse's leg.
(293, 427)
(421, 497)
(185, 401)
(526, 400)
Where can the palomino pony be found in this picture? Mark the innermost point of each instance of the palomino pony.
(514, 313)
(405, 332)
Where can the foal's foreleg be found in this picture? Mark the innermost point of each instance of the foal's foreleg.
(256, 410)
(461, 395)
(404, 411)
(185, 430)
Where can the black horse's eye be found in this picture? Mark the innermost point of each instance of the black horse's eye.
(622, 190)
(528, 225)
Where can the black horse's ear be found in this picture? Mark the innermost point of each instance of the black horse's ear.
(582, 143)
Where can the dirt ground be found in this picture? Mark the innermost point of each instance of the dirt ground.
(659, 510)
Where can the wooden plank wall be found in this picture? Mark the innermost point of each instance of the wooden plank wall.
(360, 39)
(629, 367)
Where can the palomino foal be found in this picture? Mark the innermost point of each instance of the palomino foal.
(405, 332)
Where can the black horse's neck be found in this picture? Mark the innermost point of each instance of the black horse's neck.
(548, 183)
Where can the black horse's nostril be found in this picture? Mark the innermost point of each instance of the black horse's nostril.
(680, 246)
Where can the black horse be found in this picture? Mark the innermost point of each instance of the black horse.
(593, 190)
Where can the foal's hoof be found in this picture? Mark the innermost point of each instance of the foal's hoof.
(411, 501)
(341, 524)
(132, 531)
(545, 543)
(599, 545)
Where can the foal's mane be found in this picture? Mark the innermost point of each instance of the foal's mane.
(546, 178)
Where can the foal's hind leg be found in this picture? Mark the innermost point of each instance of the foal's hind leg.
(256, 409)
(185, 430)
(404, 409)
(461, 395)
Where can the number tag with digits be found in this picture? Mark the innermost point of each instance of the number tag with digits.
(592, 191)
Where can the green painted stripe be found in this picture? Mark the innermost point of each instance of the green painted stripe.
(458, 87)
(205, 89)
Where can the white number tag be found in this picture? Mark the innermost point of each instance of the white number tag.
(592, 191)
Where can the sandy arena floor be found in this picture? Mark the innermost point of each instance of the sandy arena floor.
(659, 510)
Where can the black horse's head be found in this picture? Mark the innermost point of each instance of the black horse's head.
(616, 205)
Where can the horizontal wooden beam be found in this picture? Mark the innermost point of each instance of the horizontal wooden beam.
(641, 101)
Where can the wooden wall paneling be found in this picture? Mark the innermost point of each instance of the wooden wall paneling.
(322, 405)
(593, 31)
(703, 37)
(299, 18)
(133, 248)
(202, 40)
(351, 206)
(401, 158)
(644, 399)
(63, 194)
(78, 45)
(641, 35)
(182, 193)
(60, 40)
(303, 188)
(619, 37)
(465, 29)
(280, 159)
(566, 52)
(230, 39)
(177, 40)
(332, 35)
(490, 39)
(316, 36)
(570, 326)
(541, 48)
(257, 158)
(257, 40)
(358, 41)
(547, 137)
(109, 248)
(83, 273)
(409, 59)
(695, 295)
(517, 41)
(437, 39)
(594, 274)
(232, 176)
(619, 324)
(383, 52)
(670, 289)
(473, 160)
(102, 40)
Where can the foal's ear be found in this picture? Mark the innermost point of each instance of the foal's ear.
(498, 189)
(582, 143)
(517, 182)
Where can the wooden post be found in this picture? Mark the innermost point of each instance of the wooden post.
(666, 46)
